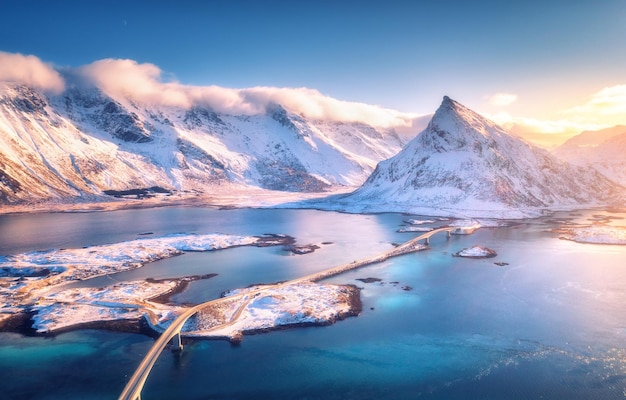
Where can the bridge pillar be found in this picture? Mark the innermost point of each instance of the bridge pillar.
(427, 241)
(177, 344)
(448, 234)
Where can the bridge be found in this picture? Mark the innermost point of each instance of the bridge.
(133, 388)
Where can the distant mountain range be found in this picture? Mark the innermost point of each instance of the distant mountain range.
(82, 142)
(465, 164)
(604, 150)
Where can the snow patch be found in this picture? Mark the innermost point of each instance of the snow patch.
(122, 301)
(293, 304)
(596, 234)
(35, 278)
(476, 252)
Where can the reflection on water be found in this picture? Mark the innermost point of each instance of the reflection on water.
(549, 324)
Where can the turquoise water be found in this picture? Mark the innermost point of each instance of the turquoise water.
(551, 324)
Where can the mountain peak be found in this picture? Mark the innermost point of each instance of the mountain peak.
(447, 105)
(454, 126)
(451, 109)
(466, 162)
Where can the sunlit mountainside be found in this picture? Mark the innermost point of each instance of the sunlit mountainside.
(82, 142)
(463, 163)
(114, 127)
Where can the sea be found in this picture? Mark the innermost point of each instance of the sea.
(544, 319)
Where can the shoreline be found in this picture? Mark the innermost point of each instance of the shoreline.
(354, 310)
(238, 198)
(180, 286)
(21, 323)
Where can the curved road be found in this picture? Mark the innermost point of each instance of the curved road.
(133, 388)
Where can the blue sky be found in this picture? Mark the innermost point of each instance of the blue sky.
(548, 56)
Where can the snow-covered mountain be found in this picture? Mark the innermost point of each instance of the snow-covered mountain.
(82, 142)
(603, 150)
(465, 164)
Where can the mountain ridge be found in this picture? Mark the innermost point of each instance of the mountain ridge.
(465, 162)
(602, 150)
(81, 142)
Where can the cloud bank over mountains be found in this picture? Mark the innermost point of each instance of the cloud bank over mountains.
(144, 82)
(30, 71)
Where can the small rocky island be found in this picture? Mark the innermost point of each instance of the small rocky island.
(476, 252)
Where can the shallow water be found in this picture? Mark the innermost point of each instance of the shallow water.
(550, 324)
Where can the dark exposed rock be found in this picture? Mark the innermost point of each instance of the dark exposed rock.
(197, 117)
(29, 101)
(139, 193)
(287, 174)
(197, 154)
(301, 249)
(369, 280)
(107, 115)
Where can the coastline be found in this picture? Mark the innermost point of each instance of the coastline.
(240, 197)
(356, 307)
(22, 322)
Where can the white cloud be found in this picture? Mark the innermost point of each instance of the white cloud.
(143, 82)
(313, 104)
(604, 109)
(29, 70)
(564, 126)
(127, 78)
(501, 99)
(610, 101)
(545, 133)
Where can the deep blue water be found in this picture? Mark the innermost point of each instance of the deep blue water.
(551, 324)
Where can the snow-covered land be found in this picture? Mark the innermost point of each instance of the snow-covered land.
(463, 226)
(414, 221)
(476, 252)
(27, 278)
(595, 234)
(414, 225)
(73, 146)
(121, 301)
(302, 303)
(34, 282)
(414, 229)
(464, 165)
(60, 265)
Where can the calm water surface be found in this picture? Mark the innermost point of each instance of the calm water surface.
(551, 324)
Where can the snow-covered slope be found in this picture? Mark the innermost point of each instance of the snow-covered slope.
(463, 163)
(603, 150)
(82, 142)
